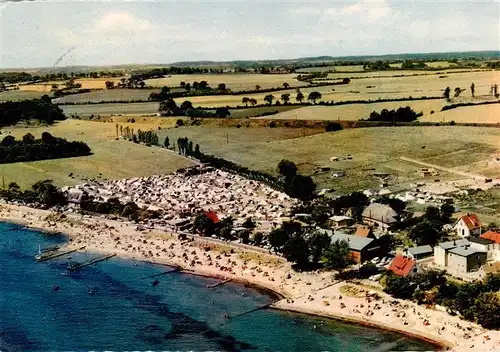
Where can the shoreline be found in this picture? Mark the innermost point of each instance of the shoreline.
(290, 295)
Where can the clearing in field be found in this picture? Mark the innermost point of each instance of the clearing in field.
(112, 159)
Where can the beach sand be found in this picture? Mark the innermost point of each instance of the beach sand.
(315, 293)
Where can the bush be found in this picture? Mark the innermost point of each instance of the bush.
(333, 126)
(272, 124)
(179, 122)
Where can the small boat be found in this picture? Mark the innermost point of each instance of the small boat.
(39, 255)
(55, 287)
(156, 282)
(91, 290)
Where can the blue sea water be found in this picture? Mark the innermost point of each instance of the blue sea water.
(127, 312)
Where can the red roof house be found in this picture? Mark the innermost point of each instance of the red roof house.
(212, 216)
(467, 225)
(493, 235)
(403, 266)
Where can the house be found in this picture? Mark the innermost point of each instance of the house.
(361, 248)
(483, 244)
(441, 250)
(493, 235)
(404, 266)
(380, 215)
(419, 252)
(364, 231)
(212, 216)
(75, 196)
(464, 259)
(340, 221)
(467, 225)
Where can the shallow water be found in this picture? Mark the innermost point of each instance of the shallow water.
(126, 312)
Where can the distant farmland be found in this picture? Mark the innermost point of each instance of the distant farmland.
(19, 95)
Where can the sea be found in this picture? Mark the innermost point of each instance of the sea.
(114, 305)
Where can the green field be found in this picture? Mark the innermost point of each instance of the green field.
(114, 159)
(233, 81)
(19, 95)
(358, 111)
(372, 149)
(110, 95)
(111, 109)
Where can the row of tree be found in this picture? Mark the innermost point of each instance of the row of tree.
(146, 137)
(476, 301)
(402, 114)
(11, 112)
(457, 91)
(113, 206)
(46, 147)
(42, 193)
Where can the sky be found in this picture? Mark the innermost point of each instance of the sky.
(110, 32)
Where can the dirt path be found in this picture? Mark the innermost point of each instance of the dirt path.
(442, 168)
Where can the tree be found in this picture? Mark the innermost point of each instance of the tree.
(197, 150)
(472, 89)
(447, 211)
(248, 224)
(142, 84)
(446, 93)
(245, 100)
(296, 250)
(287, 169)
(252, 101)
(204, 224)
(337, 255)
(277, 238)
(299, 97)
(314, 96)
(257, 238)
(269, 98)
(48, 194)
(257, 87)
(221, 87)
(426, 232)
(222, 112)
(301, 187)
(167, 106)
(166, 143)
(318, 243)
(399, 286)
(28, 138)
(495, 90)
(458, 91)
(285, 97)
(8, 141)
(186, 105)
(109, 84)
(54, 87)
(487, 310)
(286, 85)
(47, 138)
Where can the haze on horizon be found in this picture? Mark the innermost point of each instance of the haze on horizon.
(37, 33)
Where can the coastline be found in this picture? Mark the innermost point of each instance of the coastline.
(296, 294)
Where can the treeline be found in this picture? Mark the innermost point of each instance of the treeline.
(46, 147)
(458, 105)
(19, 77)
(402, 114)
(42, 193)
(476, 301)
(11, 112)
(113, 206)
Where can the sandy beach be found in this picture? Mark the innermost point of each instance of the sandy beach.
(313, 292)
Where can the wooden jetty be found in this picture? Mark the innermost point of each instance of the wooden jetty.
(265, 306)
(90, 262)
(57, 254)
(220, 283)
(174, 270)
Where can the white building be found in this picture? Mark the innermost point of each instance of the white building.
(467, 225)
